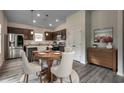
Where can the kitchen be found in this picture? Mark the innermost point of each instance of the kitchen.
(20, 38)
(35, 36)
(56, 27)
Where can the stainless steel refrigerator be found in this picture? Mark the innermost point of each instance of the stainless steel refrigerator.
(14, 45)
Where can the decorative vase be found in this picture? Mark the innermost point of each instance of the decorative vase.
(109, 45)
(101, 44)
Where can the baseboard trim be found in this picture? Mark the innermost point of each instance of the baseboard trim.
(80, 62)
(1, 65)
(120, 74)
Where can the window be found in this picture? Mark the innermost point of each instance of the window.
(38, 37)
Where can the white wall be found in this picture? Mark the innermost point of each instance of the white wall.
(35, 29)
(120, 34)
(79, 21)
(104, 19)
(76, 34)
(3, 23)
(60, 27)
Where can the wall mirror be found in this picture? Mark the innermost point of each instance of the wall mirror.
(104, 35)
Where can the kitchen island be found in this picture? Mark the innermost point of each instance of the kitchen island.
(29, 48)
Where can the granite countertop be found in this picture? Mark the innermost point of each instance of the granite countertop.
(35, 45)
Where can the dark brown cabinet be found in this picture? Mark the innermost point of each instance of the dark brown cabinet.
(63, 34)
(48, 36)
(26, 32)
(53, 35)
(27, 35)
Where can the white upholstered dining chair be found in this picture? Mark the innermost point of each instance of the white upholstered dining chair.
(29, 68)
(65, 68)
(41, 61)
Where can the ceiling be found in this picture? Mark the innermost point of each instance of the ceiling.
(27, 17)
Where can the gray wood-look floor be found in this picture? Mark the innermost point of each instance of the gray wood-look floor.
(12, 71)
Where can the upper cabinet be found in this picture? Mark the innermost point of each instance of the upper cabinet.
(63, 34)
(26, 32)
(48, 36)
(54, 35)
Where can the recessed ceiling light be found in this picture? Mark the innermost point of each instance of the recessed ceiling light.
(38, 15)
(50, 24)
(57, 20)
(34, 21)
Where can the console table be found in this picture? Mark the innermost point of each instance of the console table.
(103, 57)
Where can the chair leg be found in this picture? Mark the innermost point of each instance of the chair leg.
(27, 76)
(51, 77)
(24, 78)
(61, 80)
(40, 76)
(32, 57)
(70, 78)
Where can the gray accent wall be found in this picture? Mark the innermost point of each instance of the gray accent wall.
(104, 19)
(115, 19)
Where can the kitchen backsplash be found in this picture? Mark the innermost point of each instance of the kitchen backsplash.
(32, 42)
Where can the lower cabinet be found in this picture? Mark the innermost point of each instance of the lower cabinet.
(103, 57)
(29, 52)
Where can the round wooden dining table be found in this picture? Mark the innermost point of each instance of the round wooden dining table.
(49, 56)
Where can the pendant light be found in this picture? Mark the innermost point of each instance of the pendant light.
(32, 14)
